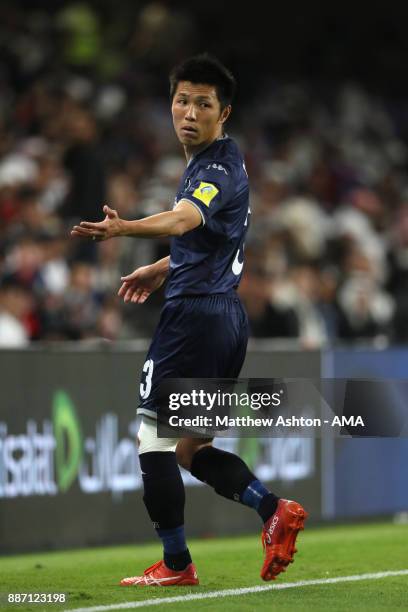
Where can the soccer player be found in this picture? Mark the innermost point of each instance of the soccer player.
(203, 328)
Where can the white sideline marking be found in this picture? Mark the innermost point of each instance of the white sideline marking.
(242, 591)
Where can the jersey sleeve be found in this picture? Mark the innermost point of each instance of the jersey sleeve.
(210, 189)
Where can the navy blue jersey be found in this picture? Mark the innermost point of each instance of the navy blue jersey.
(209, 259)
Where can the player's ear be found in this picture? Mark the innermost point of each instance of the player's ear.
(225, 113)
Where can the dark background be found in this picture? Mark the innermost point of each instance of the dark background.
(321, 41)
(321, 117)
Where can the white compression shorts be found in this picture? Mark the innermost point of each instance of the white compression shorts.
(148, 440)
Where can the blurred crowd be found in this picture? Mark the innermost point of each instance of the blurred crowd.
(85, 120)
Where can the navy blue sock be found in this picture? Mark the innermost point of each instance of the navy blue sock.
(174, 540)
(176, 553)
(231, 478)
(257, 496)
(164, 499)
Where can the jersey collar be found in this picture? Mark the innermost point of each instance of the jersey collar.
(223, 137)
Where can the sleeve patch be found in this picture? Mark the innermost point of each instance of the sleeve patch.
(205, 192)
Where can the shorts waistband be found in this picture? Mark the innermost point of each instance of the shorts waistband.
(229, 294)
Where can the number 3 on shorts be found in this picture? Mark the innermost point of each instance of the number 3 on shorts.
(146, 384)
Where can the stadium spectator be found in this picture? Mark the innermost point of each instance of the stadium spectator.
(15, 304)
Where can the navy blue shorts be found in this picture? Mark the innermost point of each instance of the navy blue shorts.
(197, 337)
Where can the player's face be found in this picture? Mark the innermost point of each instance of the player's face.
(197, 115)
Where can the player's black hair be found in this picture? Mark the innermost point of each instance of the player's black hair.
(205, 69)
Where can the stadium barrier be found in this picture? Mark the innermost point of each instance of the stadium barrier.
(69, 471)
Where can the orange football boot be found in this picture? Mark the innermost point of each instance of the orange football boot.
(279, 536)
(160, 575)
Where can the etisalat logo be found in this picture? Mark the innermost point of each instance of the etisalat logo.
(50, 461)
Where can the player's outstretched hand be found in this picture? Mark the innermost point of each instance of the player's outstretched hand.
(110, 227)
(137, 287)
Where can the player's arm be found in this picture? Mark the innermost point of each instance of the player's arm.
(137, 286)
(183, 218)
(162, 265)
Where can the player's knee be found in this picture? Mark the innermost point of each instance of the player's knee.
(149, 442)
(186, 448)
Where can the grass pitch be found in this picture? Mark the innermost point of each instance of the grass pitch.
(90, 577)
